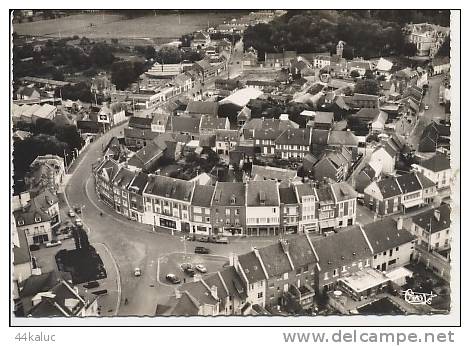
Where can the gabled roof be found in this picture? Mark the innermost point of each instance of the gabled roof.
(367, 114)
(147, 134)
(233, 282)
(434, 220)
(184, 124)
(203, 107)
(227, 135)
(137, 185)
(140, 122)
(262, 193)
(203, 195)
(389, 187)
(409, 183)
(167, 187)
(242, 97)
(305, 189)
(342, 138)
(212, 123)
(123, 178)
(325, 194)
(227, 192)
(320, 137)
(251, 267)
(383, 235)
(275, 259)
(294, 137)
(437, 163)
(384, 65)
(287, 195)
(333, 254)
(324, 117)
(343, 191)
(273, 173)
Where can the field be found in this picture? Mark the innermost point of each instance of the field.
(107, 26)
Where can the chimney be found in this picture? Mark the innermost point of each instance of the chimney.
(400, 223)
(437, 214)
(285, 245)
(233, 259)
(214, 291)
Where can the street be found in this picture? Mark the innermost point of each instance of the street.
(133, 244)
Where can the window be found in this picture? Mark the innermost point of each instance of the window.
(227, 212)
(367, 262)
(375, 257)
(392, 262)
(391, 252)
(237, 211)
(335, 272)
(344, 269)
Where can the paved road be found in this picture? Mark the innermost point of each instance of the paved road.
(133, 244)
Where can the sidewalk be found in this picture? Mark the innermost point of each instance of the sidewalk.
(108, 303)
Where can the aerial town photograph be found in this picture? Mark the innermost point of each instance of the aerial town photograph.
(231, 163)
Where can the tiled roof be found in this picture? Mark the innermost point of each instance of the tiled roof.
(184, 124)
(225, 192)
(233, 282)
(262, 193)
(169, 188)
(273, 173)
(437, 163)
(203, 195)
(367, 113)
(294, 137)
(343, 191)
(130, 132)
(333, 254)
(251, 267)
(325, 194)
(342, 138)
(140, 122)
(139, 182)
(274, 259)
(383, 235)
(409, 183)
(389, 187)
(305, 189)
(301, 252)
(212, 123)
(123, 178)
(227, 135)
(428, 220)
(203, 107)
(287, 195)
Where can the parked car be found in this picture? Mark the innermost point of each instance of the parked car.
(426, 107)
(204, 239)
(188, 269)
(201, 250)
(92, 284)
(79, 222)
(34, 247)
(137, 272)
(71, 213)
(173, 278)
(53, 243)
(221, 240)
(201, 268)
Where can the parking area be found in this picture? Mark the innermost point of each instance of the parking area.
(172, 264)
(45, 256)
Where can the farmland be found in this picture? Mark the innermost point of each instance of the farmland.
(107, 26)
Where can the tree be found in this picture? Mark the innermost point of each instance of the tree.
(79, 91)
(444, 50)
(124, 73)
(367, 86)
(409, 49)
(101, 55)
(355, 74)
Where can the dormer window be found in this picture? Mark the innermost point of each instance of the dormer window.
(37, 219)
(20, 222)
(233, 199)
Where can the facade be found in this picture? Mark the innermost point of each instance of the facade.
(120, 184)
(136, 200)
(437, 169)
(289, 210)
(35, 223)
(428, 38)
(104, 176)
(228, 209)
(392, 195)
(432, 228)
(167, 202)
(262, 208)
(307, 198)
(200, 215)
(293, 144)
(225, 141)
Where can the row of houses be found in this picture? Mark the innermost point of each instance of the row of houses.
(257, 207)
(299, 269)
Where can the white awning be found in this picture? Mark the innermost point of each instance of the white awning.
(413, 203)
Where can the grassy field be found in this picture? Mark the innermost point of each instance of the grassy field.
(109, 26)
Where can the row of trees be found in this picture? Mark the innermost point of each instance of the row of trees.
(366, 34)
(168, 54)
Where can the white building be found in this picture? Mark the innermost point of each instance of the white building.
(437, 169)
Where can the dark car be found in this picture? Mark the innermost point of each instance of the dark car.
(201, 250)
(92, 284)
(34, 247)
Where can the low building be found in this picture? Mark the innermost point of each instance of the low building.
(293, 144)
(210, 125)
(200, 215)
(437, 169)
(262, 208)
(168, 202)
(138, 138)
(35, 223)
(228, 209)
(199, 108)
(440, 65)
(289, 209)
(47, 171)
(225, 141)
(432, 228)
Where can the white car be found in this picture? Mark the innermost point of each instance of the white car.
(78, 222)
(137, 272)
(201, 268)
(53, 243)
(426, 107)
(71, 213)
